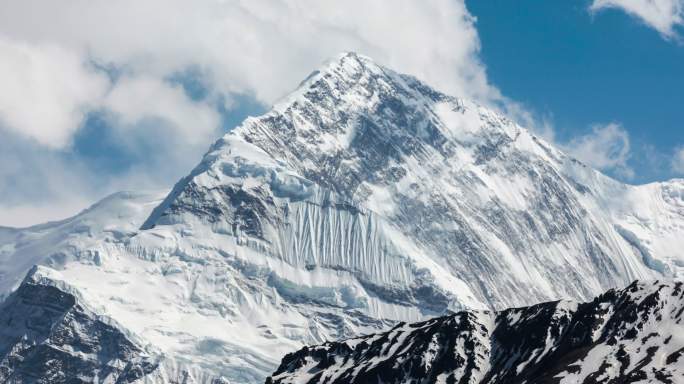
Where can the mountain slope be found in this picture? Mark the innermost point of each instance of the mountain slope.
(50, 336)
(631, 335)
(85, 238)
(363, 199)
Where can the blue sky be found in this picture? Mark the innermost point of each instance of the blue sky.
(105, 96)
(580, 69)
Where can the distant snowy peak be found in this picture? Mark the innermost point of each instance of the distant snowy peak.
(629, 335)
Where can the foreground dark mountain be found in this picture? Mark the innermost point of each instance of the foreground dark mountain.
(631, 335)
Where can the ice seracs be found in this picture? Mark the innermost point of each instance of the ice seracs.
(362, 199)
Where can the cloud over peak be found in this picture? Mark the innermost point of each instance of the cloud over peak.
(606, 147)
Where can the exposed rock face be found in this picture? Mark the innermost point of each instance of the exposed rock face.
(631, 335)
(48, 335)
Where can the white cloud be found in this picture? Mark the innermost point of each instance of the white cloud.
(606, 147)
(45, 91)
(138, 98)
(261, 46)
(678, 161)
(665, 16)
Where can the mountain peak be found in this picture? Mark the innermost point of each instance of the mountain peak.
(348, 74)
(435, 168)
(348, 63)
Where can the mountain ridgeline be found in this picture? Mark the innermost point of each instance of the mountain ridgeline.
(622, 336)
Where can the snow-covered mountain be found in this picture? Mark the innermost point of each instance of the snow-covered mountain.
(623, 336)
(362, 199)
(85, 238)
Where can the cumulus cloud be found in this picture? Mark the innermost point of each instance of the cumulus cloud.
(606, 147)
(46, 90)
(665, 16)
(138, 98)
(678, 161)
(64, 61)
(261, 46)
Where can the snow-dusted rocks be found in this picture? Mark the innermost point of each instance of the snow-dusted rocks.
(48, 335)
(363, 199)
(631, 335)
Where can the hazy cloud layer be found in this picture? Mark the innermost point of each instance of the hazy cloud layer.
(678, 161)
(606, 147)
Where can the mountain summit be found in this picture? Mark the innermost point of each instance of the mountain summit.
(363, 199)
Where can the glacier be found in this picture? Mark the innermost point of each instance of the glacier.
(362, 199)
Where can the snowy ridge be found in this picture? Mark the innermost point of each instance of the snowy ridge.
(631, 335)
(363, 199)
(80, 238)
